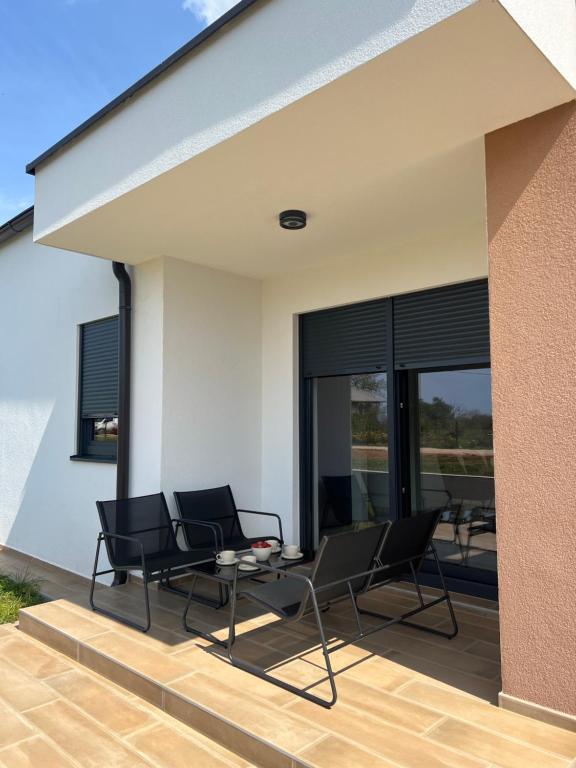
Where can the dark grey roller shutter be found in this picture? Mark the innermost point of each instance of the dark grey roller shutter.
(99, 368)
(344, 340)
(443, 326)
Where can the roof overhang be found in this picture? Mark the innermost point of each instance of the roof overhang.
(390, 148)
(17, 224)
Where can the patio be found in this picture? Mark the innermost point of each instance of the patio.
(404, 699)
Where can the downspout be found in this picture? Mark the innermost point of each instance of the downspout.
(124, 375)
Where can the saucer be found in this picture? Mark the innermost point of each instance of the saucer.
(248, 567)
(293, 557)
(233, 562)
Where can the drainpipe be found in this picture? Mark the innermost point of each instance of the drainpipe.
(124, 371)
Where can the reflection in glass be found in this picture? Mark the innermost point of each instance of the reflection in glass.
(453, 462)
(106, 429)
(351, 444)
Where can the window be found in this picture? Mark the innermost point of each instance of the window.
(98, 391)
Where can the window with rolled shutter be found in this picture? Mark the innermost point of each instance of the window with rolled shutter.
(344, 340)
(442, 327)
(98, 390)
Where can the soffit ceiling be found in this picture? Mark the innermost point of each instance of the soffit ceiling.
(390, 152)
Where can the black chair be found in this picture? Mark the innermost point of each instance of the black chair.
(140, 535)
(407, 544)
(347, 566)
(342, 569)
(216, 507)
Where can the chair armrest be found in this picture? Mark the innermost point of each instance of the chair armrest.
(214, 527)
(266, 514)
(107, 535)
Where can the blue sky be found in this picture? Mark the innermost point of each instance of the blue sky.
(61, 60)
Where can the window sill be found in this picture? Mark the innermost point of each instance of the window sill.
(94, 459)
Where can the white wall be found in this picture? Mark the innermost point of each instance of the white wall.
(47, 504)
(455, 257)
(196, 394)
(147, 377)
(211, 426)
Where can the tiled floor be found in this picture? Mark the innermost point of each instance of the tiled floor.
(54, 713)
(406, 699)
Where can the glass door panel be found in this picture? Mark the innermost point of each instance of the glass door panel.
(351, 452)
(452, 462)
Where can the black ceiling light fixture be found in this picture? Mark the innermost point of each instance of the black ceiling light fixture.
(292, 219)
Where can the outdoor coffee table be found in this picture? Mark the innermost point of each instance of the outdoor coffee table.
(223, 575)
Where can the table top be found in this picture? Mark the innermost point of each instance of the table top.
(225, 573)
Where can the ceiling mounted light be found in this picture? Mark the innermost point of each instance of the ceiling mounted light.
(292, 219)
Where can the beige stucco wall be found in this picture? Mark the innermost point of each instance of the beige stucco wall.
(531, 195)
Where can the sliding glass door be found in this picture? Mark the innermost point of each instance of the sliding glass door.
(396, 420)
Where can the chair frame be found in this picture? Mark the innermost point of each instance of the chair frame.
(148, 576)
(313, 593)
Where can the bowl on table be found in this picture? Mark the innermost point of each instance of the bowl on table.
(261, 550)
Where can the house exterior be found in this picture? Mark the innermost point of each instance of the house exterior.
(342, 372)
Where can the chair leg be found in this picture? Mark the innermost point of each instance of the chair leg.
(194, 630)
(110, 614)
(263, 675)
(223, 594)
(445, 598)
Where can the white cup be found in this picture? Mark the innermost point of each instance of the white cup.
(249, 559)
(291, 550)
(274, 544)
(227, 557)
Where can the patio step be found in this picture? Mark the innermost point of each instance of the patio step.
(56, 713)
(189, 685)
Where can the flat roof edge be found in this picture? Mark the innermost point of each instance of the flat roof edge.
(17, 224)
(174, 58)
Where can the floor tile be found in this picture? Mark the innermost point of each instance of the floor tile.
(333, 752)
(138, 656)
(506, 723)
(34, 753)
(20, 689)
(171, 749)
(109, 708)
(388, 741)
(252, 714)
(492, 747)
(385, 706)
(79, 736)
(12, 727)
(34, 658)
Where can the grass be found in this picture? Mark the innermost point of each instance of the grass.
(17, 591)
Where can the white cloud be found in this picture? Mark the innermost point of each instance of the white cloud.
(10, 205)
(208, 10)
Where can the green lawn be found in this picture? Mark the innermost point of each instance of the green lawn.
(17, 591)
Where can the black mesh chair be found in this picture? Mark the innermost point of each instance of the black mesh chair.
(342, 570)
(347, 566)
(140, 535)
(216, 507)
(407, 544)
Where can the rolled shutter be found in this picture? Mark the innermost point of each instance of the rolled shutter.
(443, 326)
(99, 368)
(344, 340)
